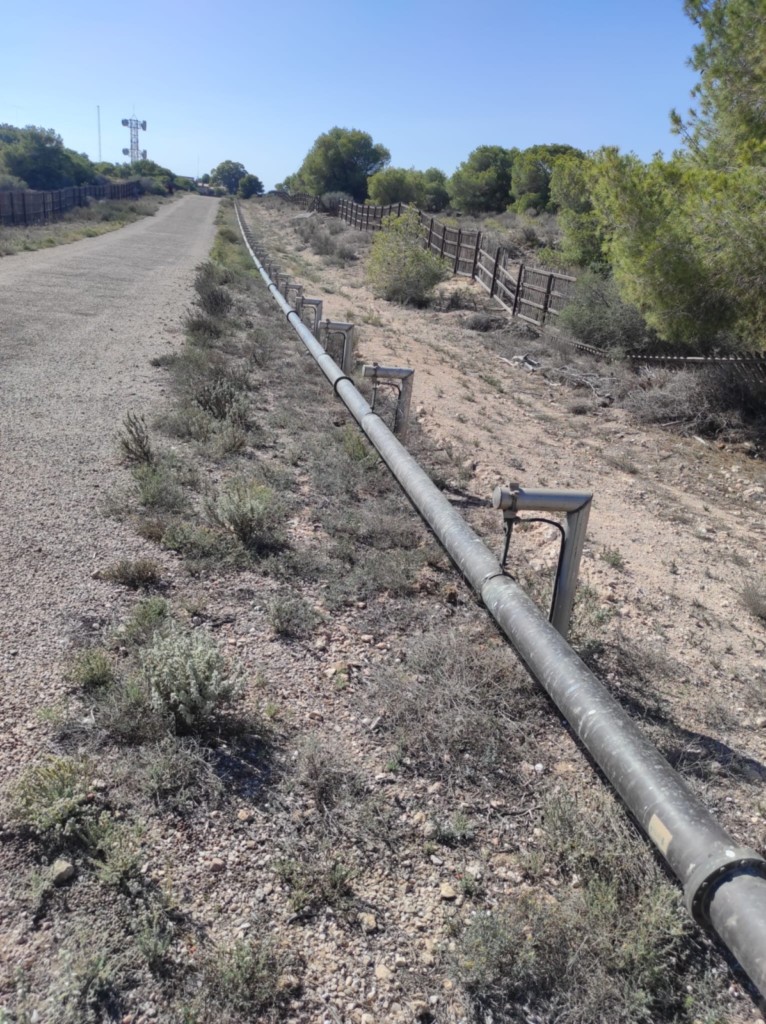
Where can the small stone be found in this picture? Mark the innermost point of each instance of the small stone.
(62, 871)
(288, 983)
(383, 973)
(217, 865)
(368, 922)
(367, 1018)
(447, 892)
(245, 815)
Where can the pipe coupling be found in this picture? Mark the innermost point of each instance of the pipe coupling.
(702, 882)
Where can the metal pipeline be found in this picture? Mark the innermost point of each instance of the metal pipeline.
(724, 883)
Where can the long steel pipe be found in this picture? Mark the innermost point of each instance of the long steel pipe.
(724, 883)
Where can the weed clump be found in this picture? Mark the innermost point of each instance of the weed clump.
(134, 440)
(137, 574)
(292, 616)
(253, 513)
(93, 669)
(447, 710)
(754, 598)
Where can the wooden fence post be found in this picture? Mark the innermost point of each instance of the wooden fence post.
(443, 240)
(457, 249)
(547, 299)
(517, 294)
(430, 233)
(493, 283)
(476, 252)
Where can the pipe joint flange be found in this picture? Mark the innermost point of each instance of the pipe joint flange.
(702, 882)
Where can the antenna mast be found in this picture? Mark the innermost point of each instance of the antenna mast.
(135, 125)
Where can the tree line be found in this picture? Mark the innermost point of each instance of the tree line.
(36, 158)
(670, 251)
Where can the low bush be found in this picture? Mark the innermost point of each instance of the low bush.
(51, 800)
(158, 488)
(253, 513)
(754, 598)
(715, 401)
(292, 616)
(447, 709)
(597, 316)
(137, 574)
(188, 679)
(613, 944)
(400, 269)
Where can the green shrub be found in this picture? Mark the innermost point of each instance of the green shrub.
(148, 616)
(253, 513)
(292, 616)
(50, 799)
(187, 678)
(158, 488)
(597, 316)
(400, 269)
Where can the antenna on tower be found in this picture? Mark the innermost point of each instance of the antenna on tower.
(98, 118)
(135, 125)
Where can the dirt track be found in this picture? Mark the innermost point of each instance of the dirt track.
(78, 325)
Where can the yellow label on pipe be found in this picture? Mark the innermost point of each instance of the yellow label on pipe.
(659, 833)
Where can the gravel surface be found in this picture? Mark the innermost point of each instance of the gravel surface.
(78, 326)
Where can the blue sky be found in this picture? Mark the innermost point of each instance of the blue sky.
(430, 79)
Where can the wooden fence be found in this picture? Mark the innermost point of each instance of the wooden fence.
(530, 293)
(25, 206)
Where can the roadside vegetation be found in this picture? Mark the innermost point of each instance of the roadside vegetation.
(99, 217)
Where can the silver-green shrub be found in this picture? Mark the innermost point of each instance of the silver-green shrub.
(188, 678)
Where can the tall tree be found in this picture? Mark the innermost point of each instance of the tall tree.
(250, 185)
(228, 174)
(729, 124)
(341, 160)
(482, 183)
(532, 170)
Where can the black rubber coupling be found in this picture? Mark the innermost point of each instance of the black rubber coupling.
(706, 877)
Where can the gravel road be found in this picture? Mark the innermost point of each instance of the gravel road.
(78, 326)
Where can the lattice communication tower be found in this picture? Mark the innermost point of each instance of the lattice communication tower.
(135, 126)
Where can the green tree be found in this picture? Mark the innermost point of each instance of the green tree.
(400, 268)
(729, 124)
(434, 195)
(482, 183)
(228, 174)
(392, 185)
(532, 171)
(38, 157)
(250, 185)
(426, 189)
(340, 160)
(582, 239)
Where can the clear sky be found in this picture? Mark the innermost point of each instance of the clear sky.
(430, 79)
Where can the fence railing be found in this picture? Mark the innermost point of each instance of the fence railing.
(530, 293)
(25, 206)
